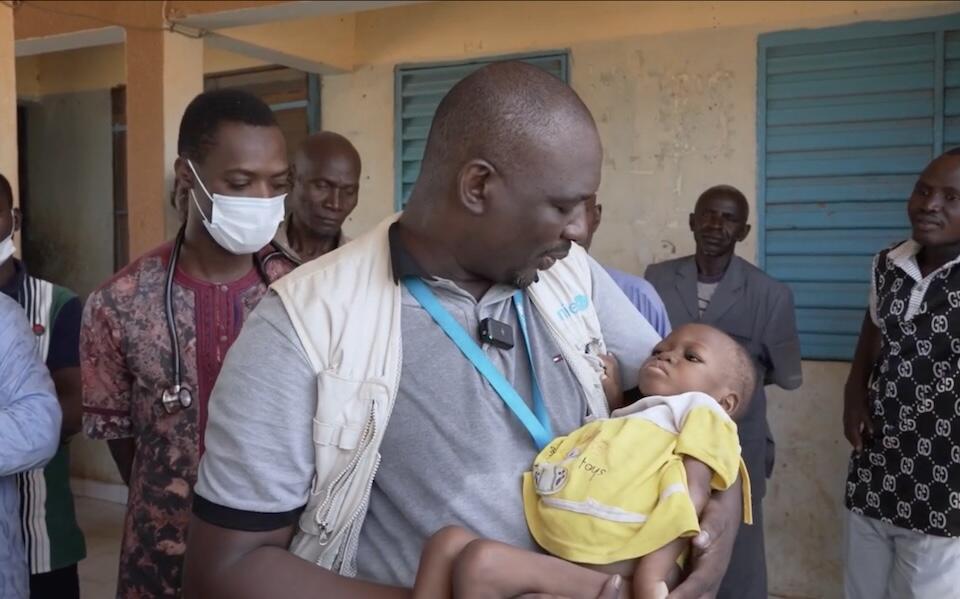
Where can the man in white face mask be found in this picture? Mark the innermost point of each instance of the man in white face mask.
(154, 336)
(47, 516)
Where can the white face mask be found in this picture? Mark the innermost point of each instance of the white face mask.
(240, 225)
(6, 246)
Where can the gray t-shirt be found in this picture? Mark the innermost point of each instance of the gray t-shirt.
(705, 293)
(453, 453)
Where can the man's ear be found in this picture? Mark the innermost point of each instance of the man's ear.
(730, 402)
(183, 174)
(690, 222)
(598, 210)
(743, 232)
(474, 182)
(17, 220)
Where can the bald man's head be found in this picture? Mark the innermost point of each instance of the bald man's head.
(326, 183)
(512, 156)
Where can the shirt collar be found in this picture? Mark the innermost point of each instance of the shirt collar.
(904, 257)
(405, 265)
(282, 238)
(402, 262)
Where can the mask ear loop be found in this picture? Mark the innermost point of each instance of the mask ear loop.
(199, 209)
(194, 195)
(199, 180)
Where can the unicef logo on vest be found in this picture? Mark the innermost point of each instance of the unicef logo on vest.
(579, 304)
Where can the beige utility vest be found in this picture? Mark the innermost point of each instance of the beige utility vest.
(345, 308)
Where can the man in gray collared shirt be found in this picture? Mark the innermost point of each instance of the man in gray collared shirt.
(451, 454)
(512, 157)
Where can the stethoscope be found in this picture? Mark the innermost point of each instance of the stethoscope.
(179, 395)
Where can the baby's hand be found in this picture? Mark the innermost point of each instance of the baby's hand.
(611, 381)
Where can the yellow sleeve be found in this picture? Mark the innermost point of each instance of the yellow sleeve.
(747, 495)
(711, 437)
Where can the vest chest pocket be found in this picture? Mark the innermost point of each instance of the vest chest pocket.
(344, 427)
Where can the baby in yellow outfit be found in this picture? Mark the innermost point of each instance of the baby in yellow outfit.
(619, 495)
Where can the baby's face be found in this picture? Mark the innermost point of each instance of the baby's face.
(692, 358)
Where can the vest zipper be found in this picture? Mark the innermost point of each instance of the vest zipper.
(326, 506)
(364, 504)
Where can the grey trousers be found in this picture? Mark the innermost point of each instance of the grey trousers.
(746, 576)
(883, 561)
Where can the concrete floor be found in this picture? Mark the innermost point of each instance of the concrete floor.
(102, 524)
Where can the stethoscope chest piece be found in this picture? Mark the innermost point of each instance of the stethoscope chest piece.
(176, 397)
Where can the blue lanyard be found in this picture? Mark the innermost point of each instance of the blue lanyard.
(537, 425)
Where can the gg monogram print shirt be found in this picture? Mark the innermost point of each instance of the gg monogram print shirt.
(909, 475)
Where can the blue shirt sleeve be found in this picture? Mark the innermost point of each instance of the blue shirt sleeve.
(645, 299)
(29, 413)
(65, 337)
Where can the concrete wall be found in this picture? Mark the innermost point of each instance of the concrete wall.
(100, 67)
(70, 170)
(8, 101)
(673, 88)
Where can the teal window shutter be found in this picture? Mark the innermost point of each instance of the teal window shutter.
(847, 119)
(951, 105)
(418, 91)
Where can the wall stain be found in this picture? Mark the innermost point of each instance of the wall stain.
(695, 115)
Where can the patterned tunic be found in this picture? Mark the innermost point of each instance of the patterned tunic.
(909, 475)
(127, 363)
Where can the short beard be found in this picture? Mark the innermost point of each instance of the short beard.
(523, 280)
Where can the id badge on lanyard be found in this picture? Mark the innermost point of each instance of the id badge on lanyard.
(536, 421)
